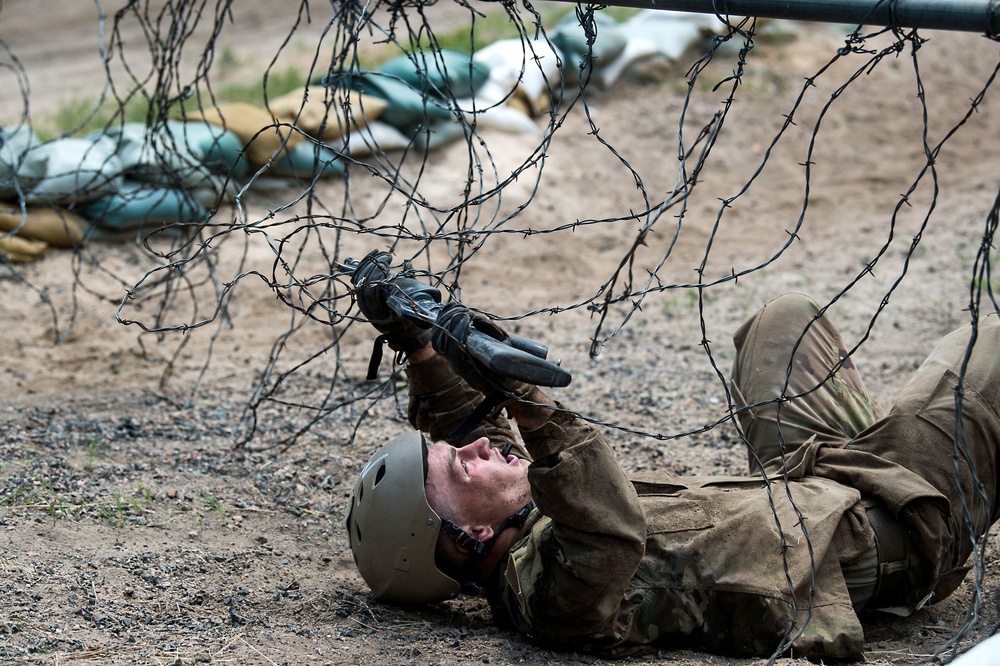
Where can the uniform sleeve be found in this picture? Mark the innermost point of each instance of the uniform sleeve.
(440, 401)
(567, 577)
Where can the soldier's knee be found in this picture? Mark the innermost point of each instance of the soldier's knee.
(793, 306)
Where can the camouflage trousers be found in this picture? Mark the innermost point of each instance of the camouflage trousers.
(807, 412)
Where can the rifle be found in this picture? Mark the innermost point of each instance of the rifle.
(515, 358)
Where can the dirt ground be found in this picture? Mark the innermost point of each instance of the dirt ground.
(135, 529)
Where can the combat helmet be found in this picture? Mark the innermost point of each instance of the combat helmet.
(393, 531)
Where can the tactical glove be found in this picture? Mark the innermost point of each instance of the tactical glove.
(375, 286)
(456, 327)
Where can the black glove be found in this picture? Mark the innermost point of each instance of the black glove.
(455, 323)
(375, 285)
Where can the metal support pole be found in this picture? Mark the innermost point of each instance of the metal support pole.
(964, 15)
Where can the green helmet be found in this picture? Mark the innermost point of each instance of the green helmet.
(392, 529)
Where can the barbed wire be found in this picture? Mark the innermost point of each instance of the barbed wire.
(308, 237)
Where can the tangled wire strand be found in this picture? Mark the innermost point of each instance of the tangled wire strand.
(309, 236)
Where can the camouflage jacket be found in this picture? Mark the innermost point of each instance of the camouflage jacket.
(613, 566)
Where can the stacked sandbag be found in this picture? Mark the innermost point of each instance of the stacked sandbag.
(60, 172)
(404, 111)
(194, 155)
(133, 178)
(276, 145)
(325, 116)
(658, 33)
(525, 77)
(418, 95)
(111, 181)
(25, 235)
(172, 174)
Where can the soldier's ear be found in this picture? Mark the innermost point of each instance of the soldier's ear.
(481, 532)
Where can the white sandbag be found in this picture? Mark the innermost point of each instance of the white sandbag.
(671, 32)
(502, 117)
(532, 65)
(15, 175)
(658, 33)
(636, 50)
(76, 170)
(375, 137)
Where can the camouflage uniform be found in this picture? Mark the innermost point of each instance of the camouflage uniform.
(750, 565)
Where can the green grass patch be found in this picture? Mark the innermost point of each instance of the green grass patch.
(212, 503)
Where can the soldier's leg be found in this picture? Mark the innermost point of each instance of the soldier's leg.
(959, 457)
(785, 384)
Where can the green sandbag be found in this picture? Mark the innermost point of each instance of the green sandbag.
(136, 206)
(446, 74)
(176, 156)
(307, 160)
(218, 148)
(571, 40)
(438, 135)
(406, 107)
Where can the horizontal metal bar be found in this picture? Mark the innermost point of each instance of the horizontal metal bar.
(963, 15)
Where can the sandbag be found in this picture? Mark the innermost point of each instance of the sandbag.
(75, 171)
(508, 117)
(15, 176)
(307, 160)
(438, 135)
(571, 40)
(261, 133)
(445, 74)
(636, 50)
(58, 228)
(19, 250)
(142, 207)
(375, 137)
(672, 32)
(218, 148)
(661, 33)
(521, 74)
(192, 155)
(321, 113)
(405, 108)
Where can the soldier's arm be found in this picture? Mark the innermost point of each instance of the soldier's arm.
(440, 402)
(567, 577)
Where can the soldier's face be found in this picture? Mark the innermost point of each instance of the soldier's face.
(475, 486)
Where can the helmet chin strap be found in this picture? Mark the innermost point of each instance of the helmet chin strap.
(478, 548)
